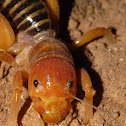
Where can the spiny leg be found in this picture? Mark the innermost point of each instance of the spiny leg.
(84, 79)
(93, 34)
(22, 40)
(6, 57)
(53, 7)
(14, 108)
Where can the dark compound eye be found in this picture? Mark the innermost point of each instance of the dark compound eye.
(35, 82)
(70, 84)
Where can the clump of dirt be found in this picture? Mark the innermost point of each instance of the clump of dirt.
(104, 61)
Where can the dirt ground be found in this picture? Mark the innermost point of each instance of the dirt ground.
(104, 61)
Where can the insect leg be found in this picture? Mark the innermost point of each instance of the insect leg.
(6, 57)
(53, 7)
(84, 79)
(93, 34)
(14, 108)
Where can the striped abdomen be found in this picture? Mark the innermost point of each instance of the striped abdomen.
(30, 16)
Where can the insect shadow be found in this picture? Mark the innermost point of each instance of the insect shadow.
(80, 59)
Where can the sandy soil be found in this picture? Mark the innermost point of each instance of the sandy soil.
(104, 61)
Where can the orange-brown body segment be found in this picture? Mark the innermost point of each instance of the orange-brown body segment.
(7, 36)
(50, 96)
